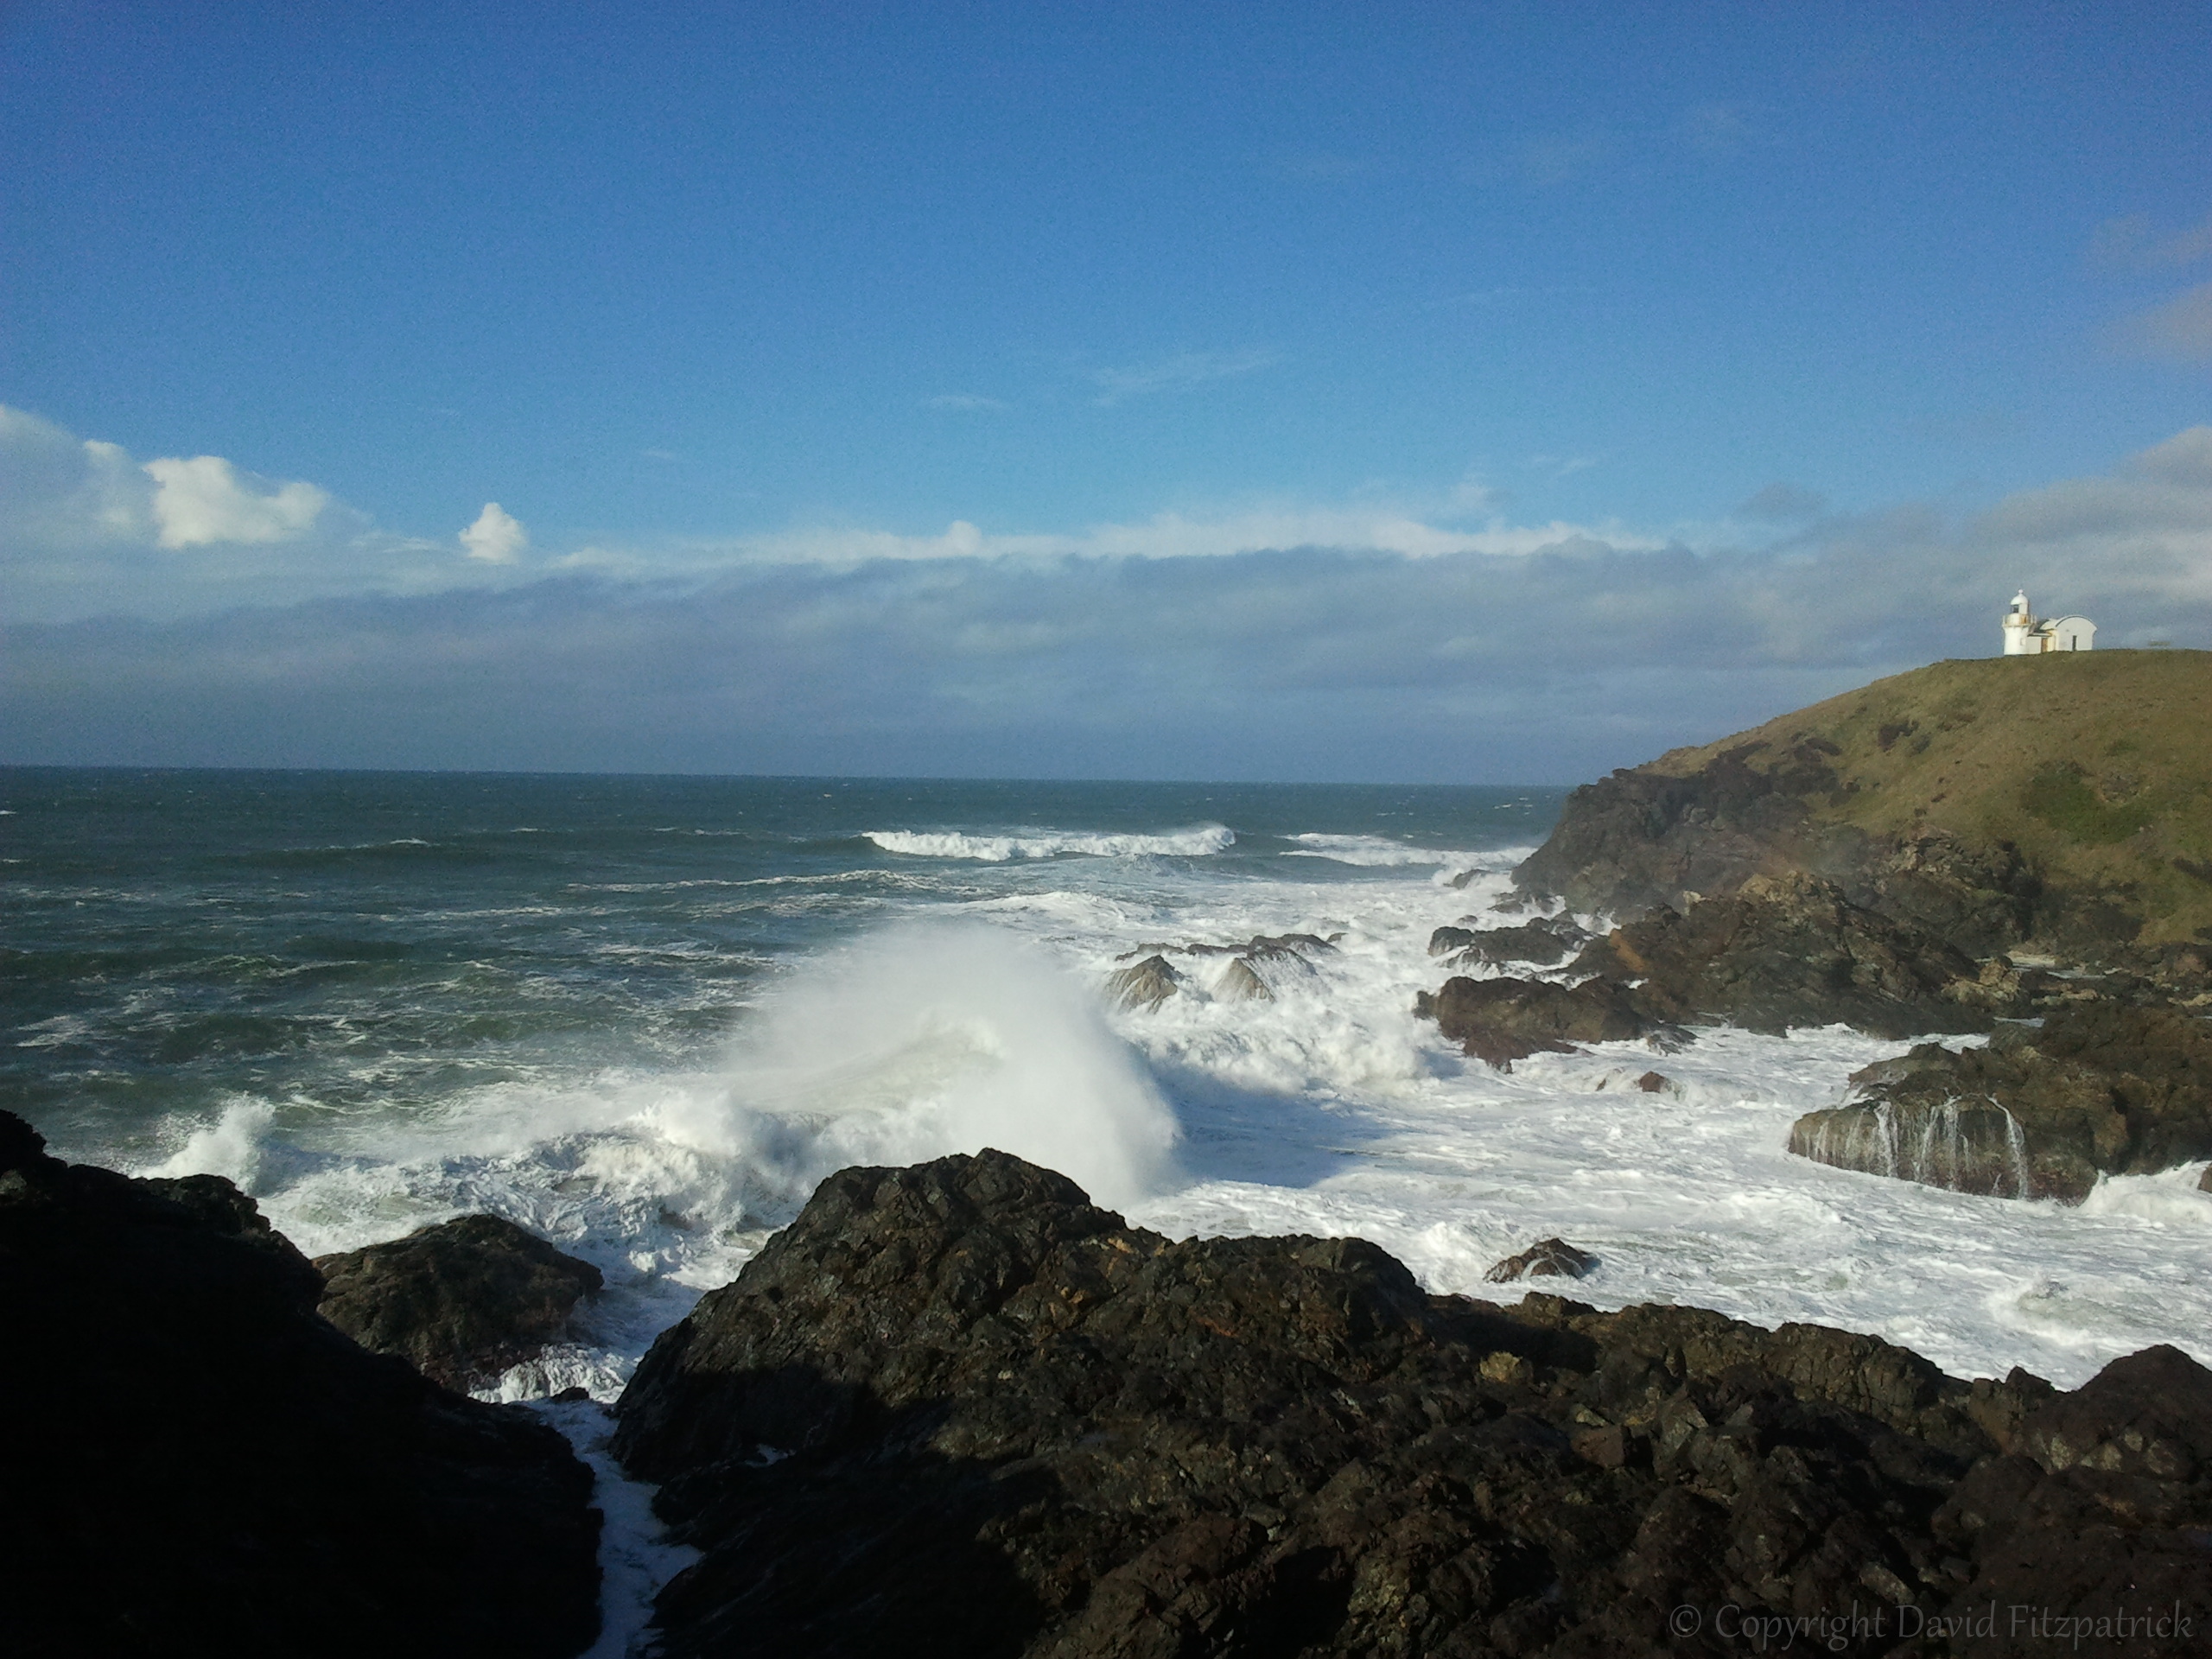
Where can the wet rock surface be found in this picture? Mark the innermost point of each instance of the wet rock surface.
(1502, 1020)
(462, 1300)
(1145, 984)
(1547, 1257)
(1792, 950)
(958, 1408)
(1543, 943)
(2038, 1112)
(197, 1462)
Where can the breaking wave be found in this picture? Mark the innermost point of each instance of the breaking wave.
(1196, 841)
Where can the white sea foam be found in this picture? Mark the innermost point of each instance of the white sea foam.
(1327, 1107)
(1197, 841)
(1375, 852)
(635, 1555)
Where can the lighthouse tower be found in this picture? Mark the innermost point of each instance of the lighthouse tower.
(2027, 637)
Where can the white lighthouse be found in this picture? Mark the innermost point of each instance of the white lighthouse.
(2026, 636)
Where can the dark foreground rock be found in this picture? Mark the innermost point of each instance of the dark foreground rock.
(1502, 1020)
(958, 1408)
(196, 1462)
(1791, 951)
(2100, 1088)
(463, 1300)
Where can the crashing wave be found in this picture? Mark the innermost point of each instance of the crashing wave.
(1196, 841)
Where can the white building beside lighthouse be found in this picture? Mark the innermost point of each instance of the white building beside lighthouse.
(2027, 636)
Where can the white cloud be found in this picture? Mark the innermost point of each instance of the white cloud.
(968, 402)
(495, 537)
(85, 530)
(1411, 531)
(202, 500)
(1175, 373)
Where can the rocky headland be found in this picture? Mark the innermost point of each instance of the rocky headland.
(197, 1461)
(1954, 851)
(2061, 806)
(957, 1408)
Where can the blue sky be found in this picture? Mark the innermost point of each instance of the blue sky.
(1438, 392)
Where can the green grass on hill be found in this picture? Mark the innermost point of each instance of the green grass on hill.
(2097, 765)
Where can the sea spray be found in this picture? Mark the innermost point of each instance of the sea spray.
(935, 1038)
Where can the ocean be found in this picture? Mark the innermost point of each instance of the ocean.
(643, 1016)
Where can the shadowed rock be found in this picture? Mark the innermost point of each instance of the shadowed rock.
(1015, 1425)
(463, 1300)
(198, 1463)
(1541, 942)
(1787, 952)
(2100, 1506)
(1553, 1258)
(2099, 1086)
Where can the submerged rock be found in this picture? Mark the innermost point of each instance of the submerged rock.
(197, 1462)
(1009, 1424)
(2100, 1088)
(1502, 1020)
(1547, 1256)
(463, 1300)
(1792, 950)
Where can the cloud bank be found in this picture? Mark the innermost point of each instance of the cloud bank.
(1345, 642)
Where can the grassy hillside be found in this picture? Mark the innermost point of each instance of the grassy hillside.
(2097, 765)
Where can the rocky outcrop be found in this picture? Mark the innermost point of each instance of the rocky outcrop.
(1546, 1258)
(1541, 943)
(1240, 982)
(462, 1300)
(958, 1408)
(1791, 951)
(2100, 1088)
(1144, 985)
(1502, 1020)
(198, 1462)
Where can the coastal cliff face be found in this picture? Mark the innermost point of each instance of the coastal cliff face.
(958, 1408)
(2061, 802)
(197, 1463)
